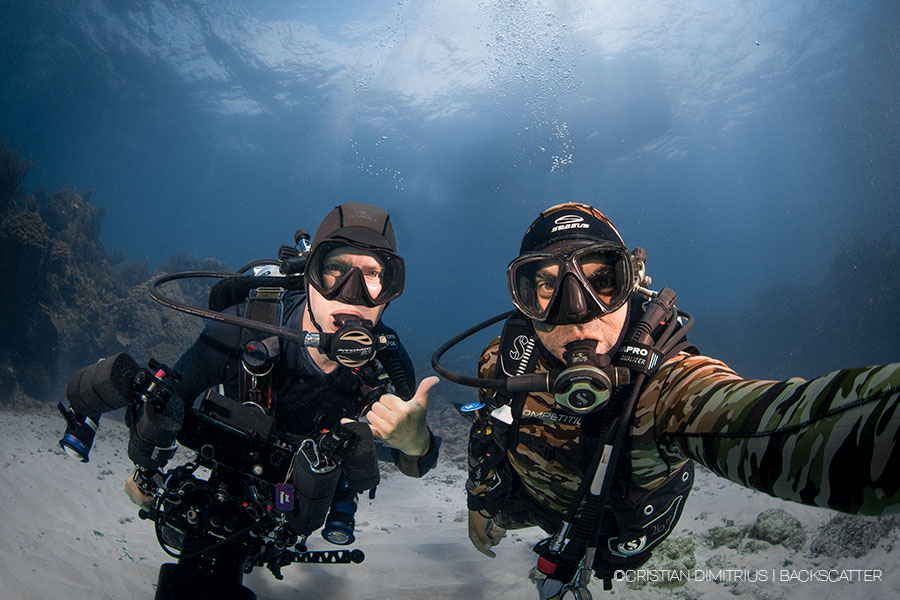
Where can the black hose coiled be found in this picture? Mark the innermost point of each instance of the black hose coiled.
(397, 374)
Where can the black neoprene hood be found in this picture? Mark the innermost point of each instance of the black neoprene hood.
(356, 222)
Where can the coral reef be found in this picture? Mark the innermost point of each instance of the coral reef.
(13, 169)
(778, 527)
(849, 535)
(676, 556)
(64, 304)
(729, 535)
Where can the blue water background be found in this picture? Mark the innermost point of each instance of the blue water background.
(739, 142)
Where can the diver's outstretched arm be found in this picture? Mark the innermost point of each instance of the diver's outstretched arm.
(830, 441)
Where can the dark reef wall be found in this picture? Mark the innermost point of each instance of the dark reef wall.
(847, 319)
(63, 303)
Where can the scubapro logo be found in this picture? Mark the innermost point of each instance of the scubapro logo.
(520, 345)
(569, 222)
(632, 547)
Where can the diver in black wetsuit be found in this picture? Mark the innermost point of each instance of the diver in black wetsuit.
(352, 273)
(325, 401)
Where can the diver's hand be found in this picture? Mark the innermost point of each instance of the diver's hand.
(401, 424)
(135, 494)
(484, 533)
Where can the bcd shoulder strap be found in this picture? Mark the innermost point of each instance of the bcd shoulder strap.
(518, 348)
(258, 356)
(517, 354)
(492, 433)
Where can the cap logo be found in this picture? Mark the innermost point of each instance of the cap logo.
(569, 222)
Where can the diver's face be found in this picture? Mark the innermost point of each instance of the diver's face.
(339, 261)
(599, 274)
(335, 264)
(606, 330)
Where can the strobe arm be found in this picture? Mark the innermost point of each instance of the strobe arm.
(118, 382)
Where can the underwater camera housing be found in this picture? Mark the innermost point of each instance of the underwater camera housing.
(263, 495)
(251, 495)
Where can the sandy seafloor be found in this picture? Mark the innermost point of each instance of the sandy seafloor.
(68, 531)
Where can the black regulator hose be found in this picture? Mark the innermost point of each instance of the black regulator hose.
(394, 368)
(212, 315)
(352, 345)
(476, 382)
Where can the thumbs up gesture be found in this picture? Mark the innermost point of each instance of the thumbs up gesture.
(400, 424)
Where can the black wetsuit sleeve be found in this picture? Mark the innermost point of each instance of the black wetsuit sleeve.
(413, 466)
(209, 361)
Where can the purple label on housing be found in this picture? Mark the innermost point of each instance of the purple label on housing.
(284, 497)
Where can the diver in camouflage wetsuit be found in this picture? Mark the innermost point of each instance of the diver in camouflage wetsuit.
(826, 442)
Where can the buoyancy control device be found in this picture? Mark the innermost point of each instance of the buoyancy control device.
(612, 524)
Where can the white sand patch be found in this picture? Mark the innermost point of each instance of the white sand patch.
(68, 531)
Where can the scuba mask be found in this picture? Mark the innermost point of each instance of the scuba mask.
(573, 285)
(586, 382)
(355, 274)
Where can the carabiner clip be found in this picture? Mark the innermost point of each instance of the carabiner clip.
(318, 463)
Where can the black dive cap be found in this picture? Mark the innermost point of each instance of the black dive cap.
(363, 224)
(569, 221)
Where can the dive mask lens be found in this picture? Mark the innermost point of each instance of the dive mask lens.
(533, 283)
(604, 272)
(355, 274)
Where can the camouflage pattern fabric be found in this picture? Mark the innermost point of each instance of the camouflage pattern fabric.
(828, 442)
(549, 483)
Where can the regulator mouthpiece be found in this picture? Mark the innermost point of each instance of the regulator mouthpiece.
(586, 384)
(354, 343)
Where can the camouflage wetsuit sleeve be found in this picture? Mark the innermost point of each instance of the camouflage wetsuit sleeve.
(830, 441)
